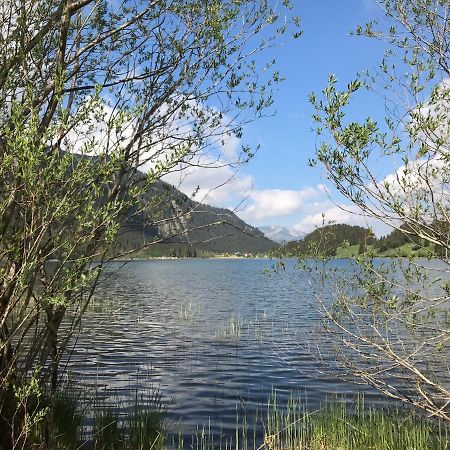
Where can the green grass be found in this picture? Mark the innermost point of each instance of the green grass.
(409, 250)
(107, 433)
(349, 251)
(67, 420)
(143, 428)
(61, 423)
(146, 425)
(231, 331)
(334, 426)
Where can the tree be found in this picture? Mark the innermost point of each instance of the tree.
(389, 322)
(327, 239)
(98, 100)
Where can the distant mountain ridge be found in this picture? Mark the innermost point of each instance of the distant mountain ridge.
(280, 234)
(179, 220)
(328, 240)
(342, 240)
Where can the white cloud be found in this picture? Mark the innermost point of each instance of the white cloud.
(100, 129)
(103, 129)
(214, 180)
(231, 147)
(220, 186)
(420, 185)
(327, 211)
(275, 203)
(304, 208)
(429, 124)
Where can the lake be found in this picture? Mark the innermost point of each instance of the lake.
(218, 337)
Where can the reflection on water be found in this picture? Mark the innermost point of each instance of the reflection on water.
(218, 337)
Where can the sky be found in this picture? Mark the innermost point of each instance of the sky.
(277, 187)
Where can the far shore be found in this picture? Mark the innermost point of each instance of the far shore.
(146, 258)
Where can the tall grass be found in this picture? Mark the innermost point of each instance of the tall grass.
(146, 425)
(77, 424)
(190, 311)
(107, 432)
(235, 328)
(335, 426)
(231, 331)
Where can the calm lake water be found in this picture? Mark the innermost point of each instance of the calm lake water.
(217, 337)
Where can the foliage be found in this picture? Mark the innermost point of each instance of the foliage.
(347, 241)
(394, 239)
(98, 100)
(328, 239)
(389, 319)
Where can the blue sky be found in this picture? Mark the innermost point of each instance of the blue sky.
(277, 187)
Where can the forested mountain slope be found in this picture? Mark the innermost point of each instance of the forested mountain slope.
(185, 224)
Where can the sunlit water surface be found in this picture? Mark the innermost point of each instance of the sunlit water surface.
(218, 337)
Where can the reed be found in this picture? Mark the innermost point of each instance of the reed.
(107, 432)
(190, 311)
(338, 426)
(80, 424)
(231, 331)
(335, 426)
(146, 425)
(283, 426)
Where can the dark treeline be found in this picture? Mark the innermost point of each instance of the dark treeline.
(329, 240)
(326, 240)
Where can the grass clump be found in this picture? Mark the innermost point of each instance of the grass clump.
(231, 331)
(190, 311)
(71, 425)
(336, 427)
(67, 421)
(107, 432)
(61, 425)
(147, 424)
(142, 428)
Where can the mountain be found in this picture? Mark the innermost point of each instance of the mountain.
(330, 240)
(180, 225)
(188, 228)
(343, 241)
(280, 234)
